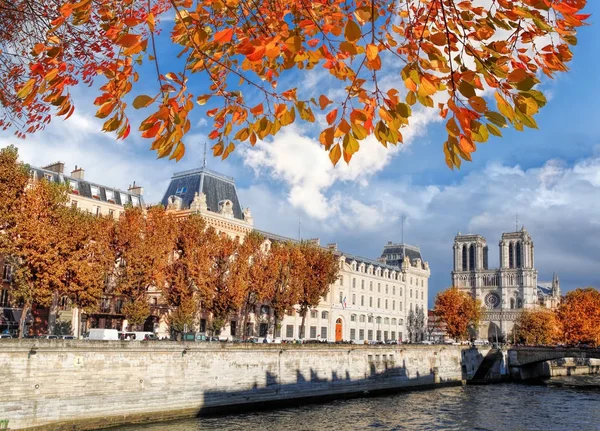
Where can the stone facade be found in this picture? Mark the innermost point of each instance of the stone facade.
(59, 385)
(506, 291)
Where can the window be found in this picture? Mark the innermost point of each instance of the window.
(289, 331)
(7, 272)
(361, 318)
(400, 291)
(362, 284)
(393, 304)
(378, 320)
(378, 302)
(314, 314)
(353, 334)
(353, 299)
(421, 295)
(313, 332)
(400, 322)
(111, 213)
(386, 321)
(394, 322)
(323, 332)
(354, 283)
(385, 336)
(341, 280)
(410, 280)
(411, 293)
(361, 334)
(370, 335)
(362, 300)
(98, 211)
(110, 195)
(124, 199)
(180, 190)
(386, 304)
(74, 185)
(421, 283)
(233, 327)
(278, 332)
(341, 297)
(378, 335)
(387, 290)
(393, 290)
(370, 318)
(371, 286)
(324, 315)
(400, 306)
(393, 336)
(353, 317)
(202, 325)
(135, 201)
(4, 298)
(370, 301)
(95, 191)
(48, 177)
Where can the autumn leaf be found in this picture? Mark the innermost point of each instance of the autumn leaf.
(142, 101)
(223, 36)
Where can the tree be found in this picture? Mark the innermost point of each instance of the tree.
(38, 244)
(579, 315)
(321, 268)
(240, 58)
(14, 177)
(284, 292)
(143, 245)
(187, 271)
(89, 260)
(411, 325)
(537, 327)
(459, 311)
(419, 324)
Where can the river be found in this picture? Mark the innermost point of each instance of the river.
(561, 404)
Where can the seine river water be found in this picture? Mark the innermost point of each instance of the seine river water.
(562, 404)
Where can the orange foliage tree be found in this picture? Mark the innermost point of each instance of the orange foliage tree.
(187, 271)
(143, 245)
(537, 327)
(242, 57)
(459, 311)
(14, 177)
(579, 315)
(320, 270)
(38, 243)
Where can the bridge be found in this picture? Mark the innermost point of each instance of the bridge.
(532, 362)
(523, 356)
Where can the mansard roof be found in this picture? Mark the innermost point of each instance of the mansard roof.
(411, 251)
(84, 187)
(215, 186)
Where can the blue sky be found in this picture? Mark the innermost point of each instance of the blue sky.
(550, 177)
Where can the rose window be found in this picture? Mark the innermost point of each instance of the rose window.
(492, 300)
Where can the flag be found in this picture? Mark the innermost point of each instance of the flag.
(344, 303)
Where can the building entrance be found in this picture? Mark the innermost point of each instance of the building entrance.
(338, 330)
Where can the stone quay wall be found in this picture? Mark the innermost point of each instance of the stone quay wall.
(71, 384)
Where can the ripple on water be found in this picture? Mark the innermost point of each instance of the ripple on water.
(505, 407)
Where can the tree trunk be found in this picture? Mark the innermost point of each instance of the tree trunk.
(302, 333)
(79, 328)
(52, 312)
(24, 312)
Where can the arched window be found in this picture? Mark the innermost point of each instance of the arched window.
(518, 255)
(511, 258)
(464, 258)
(471, 257)
(386, 321)
(353, 317)
(324, 315)
(378, 320)
(519, 303)
(361, 318)
(512, 303)
(394, 321)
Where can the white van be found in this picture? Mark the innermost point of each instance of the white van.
(138, 336)
(103, 334)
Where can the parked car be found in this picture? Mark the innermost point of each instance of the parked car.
(6, 336)
(138, 336)
(48, 337)
(67, 337)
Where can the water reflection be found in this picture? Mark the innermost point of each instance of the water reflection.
(561, 405)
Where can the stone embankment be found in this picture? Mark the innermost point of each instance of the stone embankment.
(59, 385)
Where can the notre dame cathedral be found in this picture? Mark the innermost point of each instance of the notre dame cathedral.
(506, 291)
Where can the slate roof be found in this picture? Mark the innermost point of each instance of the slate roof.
(412, 252)
(215, 186)
(84, 187)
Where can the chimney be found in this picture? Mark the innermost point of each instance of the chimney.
(57, 167)
(77, 173)
(314, 241)
(136, 189)
(332, 246)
